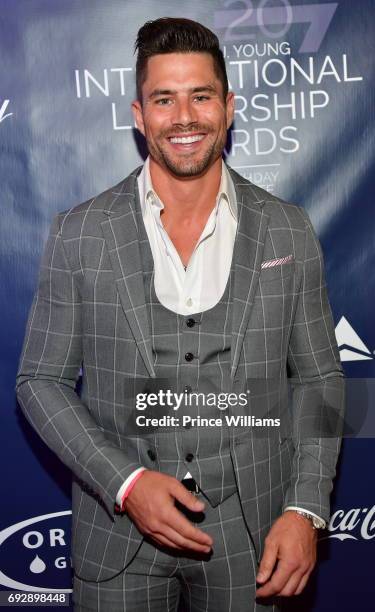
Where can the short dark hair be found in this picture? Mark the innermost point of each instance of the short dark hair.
(176, 35)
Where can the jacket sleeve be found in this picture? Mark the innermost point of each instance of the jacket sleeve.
(49, 368)
(318, 387)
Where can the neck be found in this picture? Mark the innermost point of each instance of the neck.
(186, 197)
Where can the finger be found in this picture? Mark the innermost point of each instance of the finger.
(278, 581)
(182, 542)
(302, 583)
(267, 563)
(159, 538)
(178, 522)
(292, 584)
(186, 498)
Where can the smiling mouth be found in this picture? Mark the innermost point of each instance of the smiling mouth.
(186, 139)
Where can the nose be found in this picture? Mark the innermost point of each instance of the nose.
(184, 111)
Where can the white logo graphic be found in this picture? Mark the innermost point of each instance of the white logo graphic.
(38, 566)
(361, 520)
(32, 540)
(3, 108)
(350, 344)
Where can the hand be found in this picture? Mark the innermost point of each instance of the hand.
(292, 542)
(151, 506)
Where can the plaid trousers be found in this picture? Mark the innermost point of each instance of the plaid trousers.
(161, 580)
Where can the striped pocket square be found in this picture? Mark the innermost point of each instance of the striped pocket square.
(270, 263)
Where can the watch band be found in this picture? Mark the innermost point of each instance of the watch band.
(317, 523)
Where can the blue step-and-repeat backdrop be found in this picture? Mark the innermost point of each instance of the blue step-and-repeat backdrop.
(303, 74)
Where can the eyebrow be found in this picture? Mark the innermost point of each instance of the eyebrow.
(171, 92)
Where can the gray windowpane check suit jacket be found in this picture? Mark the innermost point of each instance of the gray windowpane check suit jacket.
(89, 308)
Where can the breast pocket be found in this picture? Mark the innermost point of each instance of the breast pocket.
(276, 287)
(274, 273)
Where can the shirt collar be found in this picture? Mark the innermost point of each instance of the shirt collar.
(147, 193)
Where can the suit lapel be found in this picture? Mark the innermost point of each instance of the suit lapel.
(246, 262)
(121, 233)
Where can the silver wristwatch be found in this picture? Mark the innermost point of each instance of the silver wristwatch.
(316, 522)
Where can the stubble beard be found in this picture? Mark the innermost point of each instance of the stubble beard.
(185, 167)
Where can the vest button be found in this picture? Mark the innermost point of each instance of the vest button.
(151, 454)
(189, 356)
(189, 457)
(190, 322)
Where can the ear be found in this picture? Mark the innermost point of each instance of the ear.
(230, 108)
(138, 116)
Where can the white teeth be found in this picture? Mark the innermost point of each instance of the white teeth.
(186, 139)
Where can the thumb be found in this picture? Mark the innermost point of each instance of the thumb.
(186, 498)
(267, 563)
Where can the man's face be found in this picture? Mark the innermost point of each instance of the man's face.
(183, 115)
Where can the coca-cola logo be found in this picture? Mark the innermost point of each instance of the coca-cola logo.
(35, 555)
(353, 524)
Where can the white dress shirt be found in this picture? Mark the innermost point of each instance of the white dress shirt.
(201, 285)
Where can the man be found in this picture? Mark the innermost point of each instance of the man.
(184, 271)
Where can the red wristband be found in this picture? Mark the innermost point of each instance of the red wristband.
(129, 488)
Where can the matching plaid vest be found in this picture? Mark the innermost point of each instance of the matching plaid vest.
(192, 354)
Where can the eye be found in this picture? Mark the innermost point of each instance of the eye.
(163, 101)
(201, 98)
